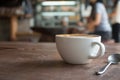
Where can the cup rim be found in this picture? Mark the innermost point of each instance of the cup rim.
(77, 35)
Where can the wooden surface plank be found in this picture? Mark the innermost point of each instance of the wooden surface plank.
(41, 61)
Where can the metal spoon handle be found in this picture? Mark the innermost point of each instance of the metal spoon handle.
(102, 70)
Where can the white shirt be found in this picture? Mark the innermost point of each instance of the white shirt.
(104, 23)
(116, 18)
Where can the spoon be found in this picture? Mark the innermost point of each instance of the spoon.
(112, 59)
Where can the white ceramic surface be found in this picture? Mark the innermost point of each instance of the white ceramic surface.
(79, 49)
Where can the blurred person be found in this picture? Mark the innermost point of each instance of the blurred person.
(98, 22)
(115, 20)
(27, 7)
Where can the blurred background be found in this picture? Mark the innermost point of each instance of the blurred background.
(41, 20)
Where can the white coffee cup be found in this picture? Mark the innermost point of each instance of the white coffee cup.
(79, 48)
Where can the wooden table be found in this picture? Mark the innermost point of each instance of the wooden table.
(14, 27)
(12, 13)
(48, 34)
(41, 61)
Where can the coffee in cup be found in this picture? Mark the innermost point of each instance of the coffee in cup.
(79, 48)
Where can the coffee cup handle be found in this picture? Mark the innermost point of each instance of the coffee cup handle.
(102, 50)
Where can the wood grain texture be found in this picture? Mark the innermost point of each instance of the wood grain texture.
(41, 61)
